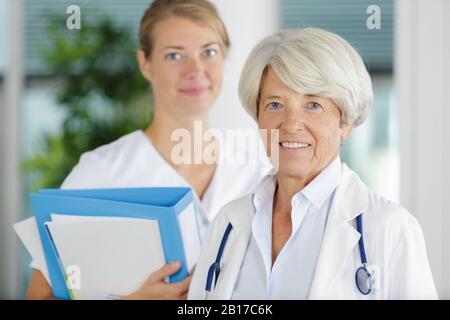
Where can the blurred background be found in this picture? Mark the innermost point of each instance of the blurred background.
(63, 92)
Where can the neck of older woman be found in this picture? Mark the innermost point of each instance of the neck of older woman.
(286, 188)
(281, 223)
(160, 133)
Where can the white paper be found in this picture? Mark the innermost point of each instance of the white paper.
(114, 255)
(28, 233)
(191, 243)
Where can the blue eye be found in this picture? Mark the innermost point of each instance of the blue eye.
(313, 106)
(173, 56)
(274, 106)
(209, 53)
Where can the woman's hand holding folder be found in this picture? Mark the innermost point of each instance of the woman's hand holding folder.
(156, 288)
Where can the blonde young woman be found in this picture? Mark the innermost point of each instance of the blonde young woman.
(313, 229)
(183, 44)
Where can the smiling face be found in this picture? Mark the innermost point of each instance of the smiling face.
(184, 67)
(309, 128)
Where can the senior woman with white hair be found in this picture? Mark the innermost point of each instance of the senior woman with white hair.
(312, 229)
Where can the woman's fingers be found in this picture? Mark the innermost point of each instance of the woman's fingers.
(156, 288)
(179, 290)
(184, 296)
(165, 271)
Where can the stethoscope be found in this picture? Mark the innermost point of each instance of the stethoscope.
(363, 277)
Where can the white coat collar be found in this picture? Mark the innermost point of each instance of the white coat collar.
(240, 214)
(351, 198)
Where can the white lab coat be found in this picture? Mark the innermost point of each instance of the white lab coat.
(394, 243)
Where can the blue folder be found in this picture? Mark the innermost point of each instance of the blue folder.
(161, 204)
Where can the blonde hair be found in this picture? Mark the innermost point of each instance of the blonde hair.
(196, 10)
(310, 61)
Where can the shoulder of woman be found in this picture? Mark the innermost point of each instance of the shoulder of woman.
(113, 151)
(236, 208)
(94, 167)
(238, 212)
(382, 215)
(390, 218)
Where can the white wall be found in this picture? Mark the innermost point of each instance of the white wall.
(2, 35)
(9, 156)
(422, 65)
(247, 22)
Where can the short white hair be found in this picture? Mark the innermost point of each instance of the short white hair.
(310, 61)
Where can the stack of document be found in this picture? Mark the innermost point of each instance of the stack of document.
(104, 243)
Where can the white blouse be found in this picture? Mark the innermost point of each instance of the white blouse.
(259, 278)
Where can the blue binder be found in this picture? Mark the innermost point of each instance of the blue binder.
(161, 204)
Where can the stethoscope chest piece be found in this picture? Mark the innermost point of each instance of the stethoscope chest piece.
(363, 279)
